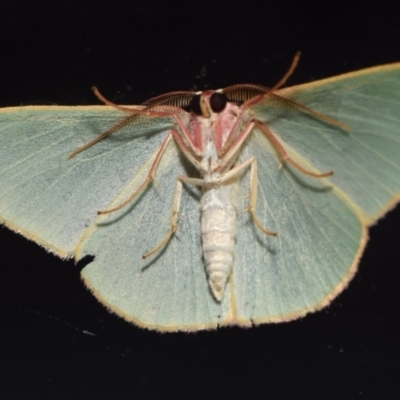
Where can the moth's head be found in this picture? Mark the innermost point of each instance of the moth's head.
(207, 103)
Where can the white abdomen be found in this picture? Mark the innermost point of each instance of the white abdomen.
(218, 232)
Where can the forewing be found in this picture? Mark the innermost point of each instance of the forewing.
(365, 160)
(50, 199)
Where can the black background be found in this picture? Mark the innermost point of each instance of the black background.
(56, 340)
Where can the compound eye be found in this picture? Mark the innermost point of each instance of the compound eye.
(218, 102)
(195, 105)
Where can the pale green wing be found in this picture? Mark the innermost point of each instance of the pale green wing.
(50, 199)
(365, 160)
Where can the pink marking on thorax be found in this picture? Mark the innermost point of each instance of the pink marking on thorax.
(225, 123)
(196, 132)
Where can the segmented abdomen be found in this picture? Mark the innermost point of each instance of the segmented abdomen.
(218, 232)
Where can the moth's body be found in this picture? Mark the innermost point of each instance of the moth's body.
(218, 206)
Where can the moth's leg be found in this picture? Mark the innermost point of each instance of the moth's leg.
(285, 157)
(234, 146)
(232, 173)
(191, 181)
(175, 210)
(191, 153)
(238, 170)
(253, 199)
(147, 181)
(174, 219)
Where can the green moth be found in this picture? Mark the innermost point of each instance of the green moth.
(239, 206)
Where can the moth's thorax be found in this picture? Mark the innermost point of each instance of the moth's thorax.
(210, 131)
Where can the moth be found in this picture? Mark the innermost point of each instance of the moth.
(237, 206)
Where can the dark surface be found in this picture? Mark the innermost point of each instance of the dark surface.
(56, 340)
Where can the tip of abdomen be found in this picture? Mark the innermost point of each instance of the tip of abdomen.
(217, 281)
